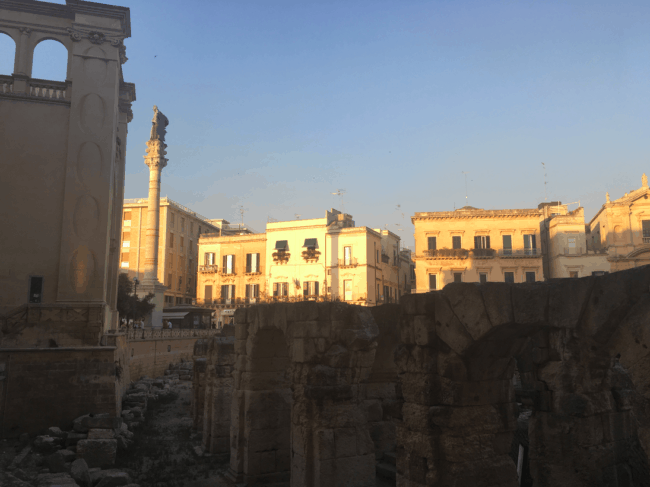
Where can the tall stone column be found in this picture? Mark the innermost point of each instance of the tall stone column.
(156, 161)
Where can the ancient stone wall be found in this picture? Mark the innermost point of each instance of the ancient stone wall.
(51, 387)
(151, 357)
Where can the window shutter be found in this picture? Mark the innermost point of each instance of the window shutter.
(487, 242)
(225, 262)
(533, 240)
(208, 293)
(257, 263)
(249, 258)
(477, 242)
(305, 288)
(248, 291)
(232, 263)
(232, 292)
(316, 293)
(275, 289)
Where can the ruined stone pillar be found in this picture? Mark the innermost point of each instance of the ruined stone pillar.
(156, 161)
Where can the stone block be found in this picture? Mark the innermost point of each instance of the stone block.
(311, 329)
(84, 423)
(324, 446)
(467, 302)
(56, 432)
(99, 434)
(424, 331)
(46, 444)
(529, 304)
(79, 472)
(449, 329)
(55, 480)
(345, 442)
(97, 453)
(73, 438)
(57, 460)
(114, 479)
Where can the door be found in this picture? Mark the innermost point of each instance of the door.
(347, 290)
(208, 294)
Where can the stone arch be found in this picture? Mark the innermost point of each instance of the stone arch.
(43, 72)
(9, 54)
(330, 350)
(456, 366)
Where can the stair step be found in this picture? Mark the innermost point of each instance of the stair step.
(390, 457)
(386, 470)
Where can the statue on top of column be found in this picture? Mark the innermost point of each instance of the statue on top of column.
(158, 125)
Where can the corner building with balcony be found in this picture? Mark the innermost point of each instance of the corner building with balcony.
(476, 245)
(180, 229)
(316, 259)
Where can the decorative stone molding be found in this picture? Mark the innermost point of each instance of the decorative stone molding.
(25, 31)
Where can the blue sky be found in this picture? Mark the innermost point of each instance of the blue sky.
(275, 105)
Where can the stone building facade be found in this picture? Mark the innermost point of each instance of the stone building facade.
(316, 259)
(475, 245)
(63, 171)
(622, 229)
(180, 229)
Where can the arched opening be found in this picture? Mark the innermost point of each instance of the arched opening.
(50, 61)
(7, 55)
(267, 410)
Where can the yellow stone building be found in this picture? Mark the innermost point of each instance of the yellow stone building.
(622, 229)
(316, 259)
(180, 229)
(475, 245)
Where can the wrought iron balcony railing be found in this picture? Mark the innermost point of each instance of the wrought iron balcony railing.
(520, 253)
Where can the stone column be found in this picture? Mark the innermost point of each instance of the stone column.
(156, 161)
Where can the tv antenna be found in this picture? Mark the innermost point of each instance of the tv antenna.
(544, 168)
(340, 193)
(297, 216)
(466, 200)
(270, 219)
(242, 210)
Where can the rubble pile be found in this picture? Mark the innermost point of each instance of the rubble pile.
(84, 455)
(181, 371)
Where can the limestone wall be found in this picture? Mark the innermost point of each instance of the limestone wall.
(151, 357)
(51, 387)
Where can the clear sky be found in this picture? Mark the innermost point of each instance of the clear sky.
(274, 105)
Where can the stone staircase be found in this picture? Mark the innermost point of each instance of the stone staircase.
(386, 467)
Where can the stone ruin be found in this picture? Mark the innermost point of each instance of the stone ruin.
(468, 386)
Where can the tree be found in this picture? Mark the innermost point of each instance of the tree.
(130, 306)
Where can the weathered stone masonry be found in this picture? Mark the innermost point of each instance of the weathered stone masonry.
(318, 390)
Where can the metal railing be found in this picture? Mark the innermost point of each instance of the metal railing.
(646, 240)
(209, 268)
(573, 251)
(483, 253)
(447, 253)
(148, 333)
(348, 262)
(520, 253)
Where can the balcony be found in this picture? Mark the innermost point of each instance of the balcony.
(446, 254)
(281, 256)
(520, 253)
(227, 272)
(350, 262)
(646, 240)
(209, 268)
(311, 255)
(573, 251)
(385, 258)
(483, 253)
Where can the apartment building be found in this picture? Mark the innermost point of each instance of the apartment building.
(318, 259)
(180, 229)
(475, 245)
(231, 273)
(621, 228)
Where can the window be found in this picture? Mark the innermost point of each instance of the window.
(431, 243)
(182, 225)
(171, 240)
(482, 242)
(169, 299)
(280, 289)
(35, 289)
(386, 295)
(252, 292)
(209, 258)
(171, 261)
(347, 255)
(458, 277)
(228, 293)
(311, 243)
(180, 262)
(199, 234)
(127, 218)
(433, 282)
(310, 288)
(507, 245)
(530, 244)
(125, 260)
(179, 301)
(191, 228)
(171, 219)
(509, 277)
(347, 290)
(377, 257)
(207, 293)
(182, 243)
(455, 240)
(530, 276)
(169, 280)
(126, 239)
(252, 263)
(645, 226)
(229, 264)
(482, 277)
(572, 242)
(282, 245)
(180, 282)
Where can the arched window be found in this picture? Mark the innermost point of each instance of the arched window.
(7, 54)
(50, 61)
